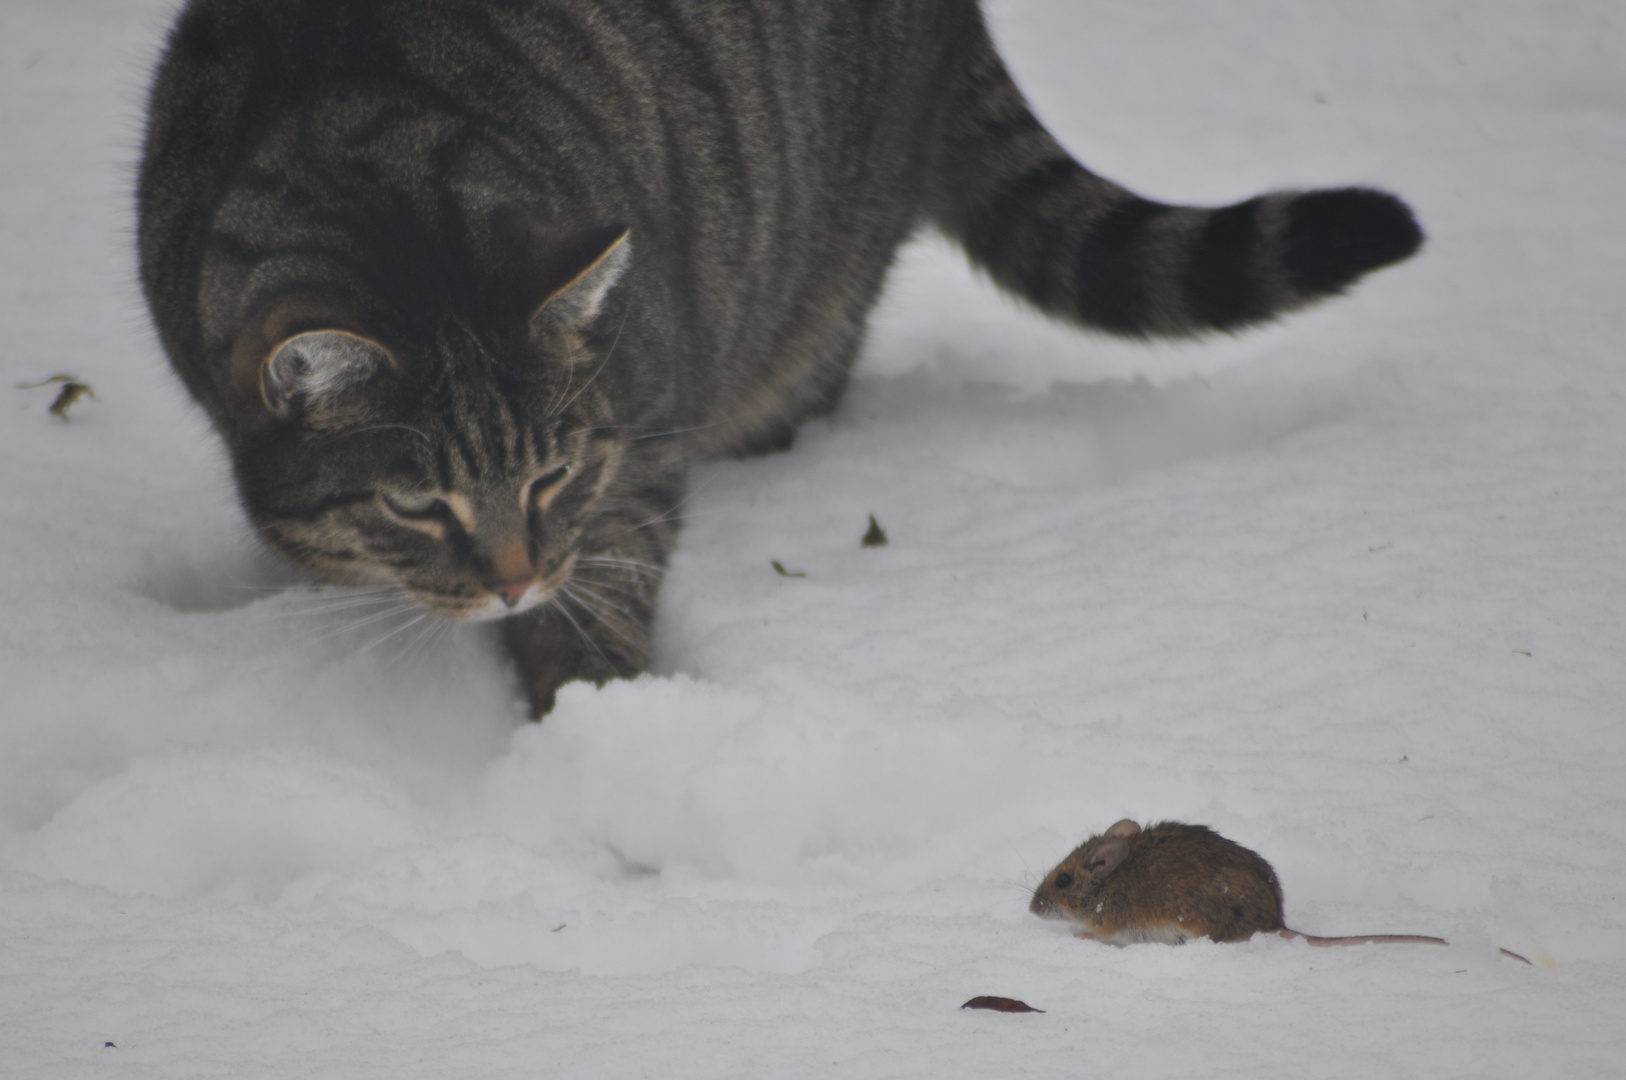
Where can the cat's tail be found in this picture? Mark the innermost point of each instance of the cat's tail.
(1085, 249)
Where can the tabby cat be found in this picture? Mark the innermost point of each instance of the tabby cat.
(467, 286)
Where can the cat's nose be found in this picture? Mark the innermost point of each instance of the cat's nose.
(512, 571)
(512, 591)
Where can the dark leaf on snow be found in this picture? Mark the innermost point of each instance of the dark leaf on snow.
(876, 537)
(1000, 1004)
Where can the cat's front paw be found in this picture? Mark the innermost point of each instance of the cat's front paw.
(551, 651)
(542, 686)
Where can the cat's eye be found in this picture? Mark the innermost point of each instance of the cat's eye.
(416, 505)
(544, 486)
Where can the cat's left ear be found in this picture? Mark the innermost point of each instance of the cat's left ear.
(557, 273)
(596, 259)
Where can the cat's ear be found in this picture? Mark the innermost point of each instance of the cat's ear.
(593, 260)
(556, 273)
(307, 373)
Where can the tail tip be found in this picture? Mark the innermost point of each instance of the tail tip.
(1335, 236)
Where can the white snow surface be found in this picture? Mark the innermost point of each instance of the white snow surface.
(1348, 589)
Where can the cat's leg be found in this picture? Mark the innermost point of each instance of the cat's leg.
(563, 641)
(1085, 249)
(596, 626)
(774, 437)
(814, 394)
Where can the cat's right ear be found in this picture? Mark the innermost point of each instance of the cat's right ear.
(559, 274)
(307, 373)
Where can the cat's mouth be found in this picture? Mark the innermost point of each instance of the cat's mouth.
(498, 601)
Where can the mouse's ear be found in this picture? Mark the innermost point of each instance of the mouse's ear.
(1106, 857)
(1125, 829)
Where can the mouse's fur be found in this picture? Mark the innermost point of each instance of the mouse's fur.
(1172, 882)
(1168, 883)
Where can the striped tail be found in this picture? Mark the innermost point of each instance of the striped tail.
(1085, 249)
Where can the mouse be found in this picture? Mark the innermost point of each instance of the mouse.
(1172, 882)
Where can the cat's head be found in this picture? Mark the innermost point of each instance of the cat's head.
(461, 459)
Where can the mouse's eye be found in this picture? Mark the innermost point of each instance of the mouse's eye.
(1064, 881)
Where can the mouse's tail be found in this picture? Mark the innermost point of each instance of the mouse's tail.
(1084, 249)
(1366, 939)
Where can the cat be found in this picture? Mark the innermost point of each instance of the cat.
(468, 286)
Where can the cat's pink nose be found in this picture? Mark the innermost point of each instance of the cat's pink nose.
(512, 591)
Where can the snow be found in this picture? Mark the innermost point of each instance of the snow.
(1348, 589)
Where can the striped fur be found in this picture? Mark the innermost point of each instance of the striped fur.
(547, 254)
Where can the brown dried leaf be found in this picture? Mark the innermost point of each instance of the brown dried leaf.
(71, 392)
(1000, 1004)
(47, 381)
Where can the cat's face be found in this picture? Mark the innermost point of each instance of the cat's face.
(464, 471)
(473, 500)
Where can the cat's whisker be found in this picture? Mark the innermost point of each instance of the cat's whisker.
(670, 432)
(620, 574)
(626, 582)
(560, 607)
(554, 408)
(425, 628)
(601, 364)
(336, 590)
(312, 589)
(579, 589)
(665, 433)
(602, 617)
(333, 594)
(588, 601)
(683, 516)
(445, 632)
(632, 598)
(669, 513)
(386, 427)
(329, 606)
(570, 378)
(632, 593)
(422, 644)
(618, 560)
(415, 620)
(343, 624)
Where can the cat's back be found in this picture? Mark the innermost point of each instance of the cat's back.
(767, 157)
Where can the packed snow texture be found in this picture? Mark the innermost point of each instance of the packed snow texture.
(1348, 589)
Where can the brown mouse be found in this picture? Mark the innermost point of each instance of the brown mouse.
(1170, 883)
